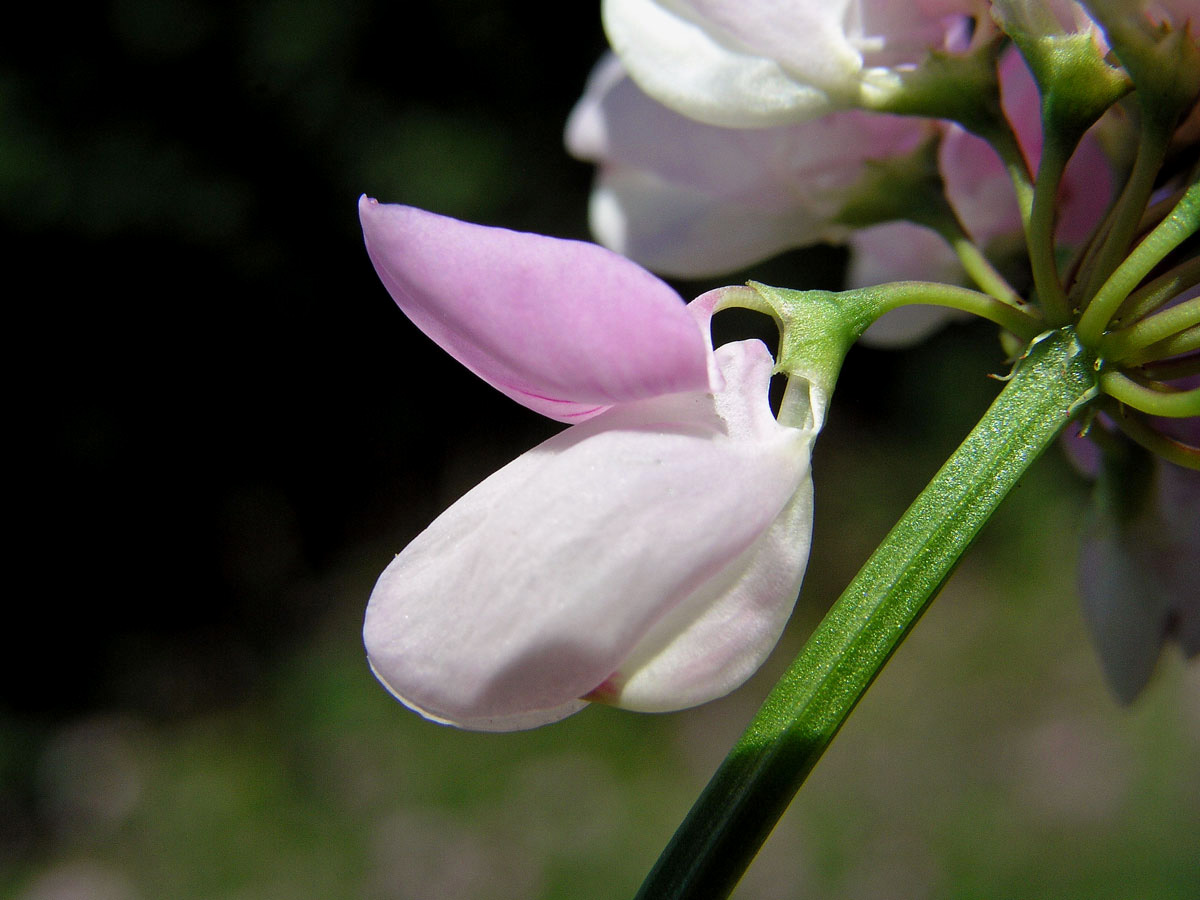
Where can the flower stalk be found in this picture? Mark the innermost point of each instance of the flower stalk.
(1170, 233)
(1051, 384)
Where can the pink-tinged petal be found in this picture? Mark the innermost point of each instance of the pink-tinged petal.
(685, 63)
(817, 43)
(1125, 609)
(531, 591)
(1085, 192)
(709, 645)
(1179, 507)
(723, 633)
(806, 167)
(566, 328)
(978, 186)
(749, 64)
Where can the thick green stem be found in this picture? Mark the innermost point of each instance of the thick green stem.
(756, 782)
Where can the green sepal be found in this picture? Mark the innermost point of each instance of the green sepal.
(962, 87)
(816, 330)
(1076, 84)
(908, 187)
(1163, 62)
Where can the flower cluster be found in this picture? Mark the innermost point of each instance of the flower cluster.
(725, 133)
(685, 195)
(649, 555)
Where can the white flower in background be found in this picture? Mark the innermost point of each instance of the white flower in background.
(689, 199)
(1138, 577)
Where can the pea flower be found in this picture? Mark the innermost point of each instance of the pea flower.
(647, 556)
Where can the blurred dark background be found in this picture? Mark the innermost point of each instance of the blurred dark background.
(221, 399)
(223, 428)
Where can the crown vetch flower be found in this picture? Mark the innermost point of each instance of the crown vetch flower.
(647, 557)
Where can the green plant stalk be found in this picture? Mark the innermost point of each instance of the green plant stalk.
(1123, 218)
(1169, 403)
(1185, 341)
(1040, 237)
(1181, 224)
(981, 270)
(1023, 322)
(1155, 441)
(717, 841)
(1158, 292)
(1117, 345)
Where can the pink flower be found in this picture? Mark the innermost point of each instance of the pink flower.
(647, 557)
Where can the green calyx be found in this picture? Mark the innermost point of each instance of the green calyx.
(1076, 83)
(1162, 61)
(816, 331)
(962, 87)
(904, 187)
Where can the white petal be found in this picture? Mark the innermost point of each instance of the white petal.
(690, 199)
(680, 61)
(709, 645)
(529, 592)
(681, 231)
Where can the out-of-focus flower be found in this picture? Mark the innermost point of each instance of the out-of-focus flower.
(758, 62)
(1138, 574)
(690, 199)
(647, 557)
(1172, 13)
